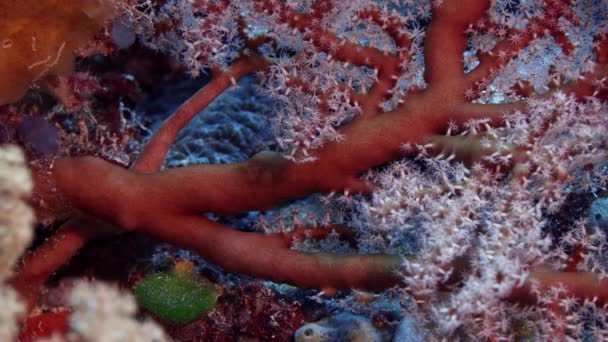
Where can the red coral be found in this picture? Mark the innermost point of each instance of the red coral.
(44, 325)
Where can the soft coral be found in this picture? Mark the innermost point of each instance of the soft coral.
(38, 38)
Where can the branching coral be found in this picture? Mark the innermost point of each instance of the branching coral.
(353, 95)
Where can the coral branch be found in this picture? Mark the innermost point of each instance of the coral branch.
(259, 183)
(39, 265)
(446, 41)
(481, 232)
(268, 257)
(515, 40)
(581, 285)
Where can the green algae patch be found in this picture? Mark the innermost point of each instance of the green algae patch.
(176, 296)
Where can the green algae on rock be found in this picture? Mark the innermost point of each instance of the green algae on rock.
(178, 297)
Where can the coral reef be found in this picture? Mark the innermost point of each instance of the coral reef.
(435, 169)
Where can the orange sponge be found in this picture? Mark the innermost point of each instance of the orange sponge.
(38, 38)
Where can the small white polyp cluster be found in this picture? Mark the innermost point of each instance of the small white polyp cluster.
(16, 217)
(102, 313)
(16, 220)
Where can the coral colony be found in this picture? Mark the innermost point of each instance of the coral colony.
(308, 170)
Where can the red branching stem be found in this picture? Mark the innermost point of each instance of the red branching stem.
(38, 265)
(386, 65)
(515, 40)
(392, 25)
(63, 245)
(135, 201)
(582, 285)
(167, 204)
(392, 67)
(267, 257)
(445, 42)
(326, 41)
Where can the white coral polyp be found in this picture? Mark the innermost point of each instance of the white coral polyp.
(11, 309)
(16, 220)
(16, 217)
(102, 313)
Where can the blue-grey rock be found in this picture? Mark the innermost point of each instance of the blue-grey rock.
(232, 128)
(407, 332)
(40, 134)
(123, 33)
(344, 327)
(598, 213)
